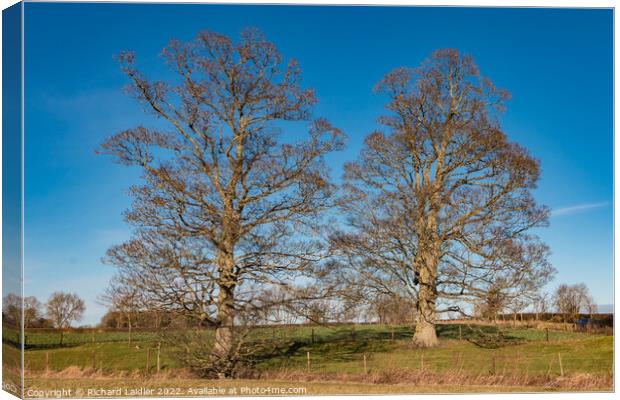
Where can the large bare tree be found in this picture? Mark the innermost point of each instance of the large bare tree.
(440, 206)
(227, 200)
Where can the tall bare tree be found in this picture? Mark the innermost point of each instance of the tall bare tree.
(63, 309)
(441, 205)
(226, 203)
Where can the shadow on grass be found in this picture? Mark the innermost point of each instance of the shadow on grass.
(39, 346)
(347, 343)
(337, 344)
(485, 336)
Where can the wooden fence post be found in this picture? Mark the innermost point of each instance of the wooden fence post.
(561, 367)
(148, 359)
(549, 369)
(365, 366)
(47, 362)
(308, 359)
(547, 333)
(460, 334)
(158, 360)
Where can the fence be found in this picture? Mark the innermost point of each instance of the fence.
(153, 359)
(39, 338)
(361, 347)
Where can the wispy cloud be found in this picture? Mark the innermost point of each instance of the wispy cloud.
(577, 208)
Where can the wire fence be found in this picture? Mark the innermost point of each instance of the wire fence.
(155, 357)
(357, 349)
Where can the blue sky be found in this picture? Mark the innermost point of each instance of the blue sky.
(557, 63)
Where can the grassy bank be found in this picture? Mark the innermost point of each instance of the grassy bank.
(468, 357)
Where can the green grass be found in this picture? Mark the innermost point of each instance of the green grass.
(73, 338)
(337, 352)
(341, 349)
(522, 350)
(108, 357)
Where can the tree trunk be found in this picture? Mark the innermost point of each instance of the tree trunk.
(425, 335)
(224, 346)
(129, 329)
(224, 339)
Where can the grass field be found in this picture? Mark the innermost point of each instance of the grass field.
(362, 358)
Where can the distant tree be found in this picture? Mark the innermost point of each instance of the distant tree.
(493, 301)
(226, 205)
(127, 300)
(32, 311)
(512, 292)
(441, 205)
(154, 320)
(13, 306)
(12, 310)
(63, 309)
(390, 309)
(590, 306)
(275, 305)
(570, 300)
(541, 303)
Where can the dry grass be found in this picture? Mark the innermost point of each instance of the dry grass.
(75, 372)
(392, 376)
(308, 388)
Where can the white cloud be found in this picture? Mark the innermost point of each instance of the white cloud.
(577, 208)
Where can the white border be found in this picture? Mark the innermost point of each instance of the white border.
(448, 3)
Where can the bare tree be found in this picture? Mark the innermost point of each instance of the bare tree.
(226, 205)
(12, 308)
(32, 311)
(393, 309)
(512, 292)
(540, 303)
(63, 309)
(126, 300)
(441, 205)
(590, 306)
(570, 300)
(310, 303)
(493, 301)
